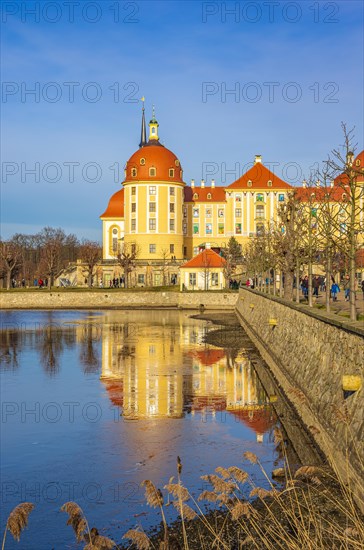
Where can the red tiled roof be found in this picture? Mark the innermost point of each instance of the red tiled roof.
(333, 194)
(156, 156)
(115, 208)
(217, 194)
(259, 175)
(206, 259)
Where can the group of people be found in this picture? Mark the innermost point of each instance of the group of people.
(319, 283)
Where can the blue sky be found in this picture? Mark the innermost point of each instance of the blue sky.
(296, 68)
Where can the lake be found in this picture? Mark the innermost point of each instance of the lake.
(94, 402)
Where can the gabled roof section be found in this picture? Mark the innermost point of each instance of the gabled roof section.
(205, 259)
(204, 194)
(115, 208)
(259, 176)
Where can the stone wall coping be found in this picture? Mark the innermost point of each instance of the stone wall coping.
(329, 318)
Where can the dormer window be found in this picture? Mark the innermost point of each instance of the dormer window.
(270, 183)
(133, 172)
(249, 183)
(357, 162)
(176, 162)
(209, 195)
(142, 161)
(181, 174)
(171, 172)
(195, 196)
(152, 172)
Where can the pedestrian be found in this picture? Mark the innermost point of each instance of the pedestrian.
(304, 286)
(347, 288)
(334, 291)
(316, 285)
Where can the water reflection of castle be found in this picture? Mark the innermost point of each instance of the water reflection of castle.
(164, 371)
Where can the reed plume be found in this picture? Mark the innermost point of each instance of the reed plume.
(17, 520)
(76, 519)
(251, 457)
(219, 484)
(188, 512)
(138, 538)
(97, 542)
(178, 491)
(238, 474)
(153, 495)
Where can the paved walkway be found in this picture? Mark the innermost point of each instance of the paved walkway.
(341, 306)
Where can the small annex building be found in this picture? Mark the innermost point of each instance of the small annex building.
(203, 272)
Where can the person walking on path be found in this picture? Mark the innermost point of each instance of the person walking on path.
(334, 291)
(316, 285)
(304, 286)
(347, 288)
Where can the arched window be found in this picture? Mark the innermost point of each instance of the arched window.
(176, 162)
(249, 183)
(195, 196)
(357, 162)
(142, 161)
(171, 172)
(152, 172)
(270, 183)
(209, 195)
(133, 172)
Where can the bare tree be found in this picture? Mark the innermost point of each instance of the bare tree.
(164, 267)
(10, 259)
(349, 225)
(126, 258)
(52, 240)
(90, 253)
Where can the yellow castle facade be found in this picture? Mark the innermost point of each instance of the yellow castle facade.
(166, 222)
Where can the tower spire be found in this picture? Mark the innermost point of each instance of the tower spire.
(143, 135)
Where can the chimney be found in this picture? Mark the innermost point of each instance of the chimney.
(258, 158)
(212, 184)
(202, 184)
(192, 183)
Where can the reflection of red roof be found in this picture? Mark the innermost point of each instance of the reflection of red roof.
(115, 208)
(115, 391)
(216, 194)
(208, 357)
(206, 259)
(259, 175)
(216, 403)
(259, 420)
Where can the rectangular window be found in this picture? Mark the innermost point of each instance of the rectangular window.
(238, 228)
(281, 197)
(196, 228)
(152, 190)
(192, 279)
(152, 224)
(220, 228)
(238, 198)
(141, 278)
(195, 250)
(185, 212)
(171, 248)
(171, 206)
(152, 207)
(209, 229)
(185, 228)
(133, 225)
(152, 248)
(171, 189)
(133, 206)
(196, 212)
(214, 279)
(133, 191)
(238, 212)
(171, 225)
(220, 212)
(184, 251)
(133, 248)
(260, 197)
(259, 211)
(114, 244)
(208, 212)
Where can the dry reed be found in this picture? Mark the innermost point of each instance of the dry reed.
(17, 520)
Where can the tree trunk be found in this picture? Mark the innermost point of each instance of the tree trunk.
(274, 283)
(281, 290)
(328, 281)
(298, 283)
(310, 283)
(353, 314)
(8, 278)
(288, 285)
(89, 278)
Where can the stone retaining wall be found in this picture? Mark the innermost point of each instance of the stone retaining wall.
(43, 299)
(308, 357)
